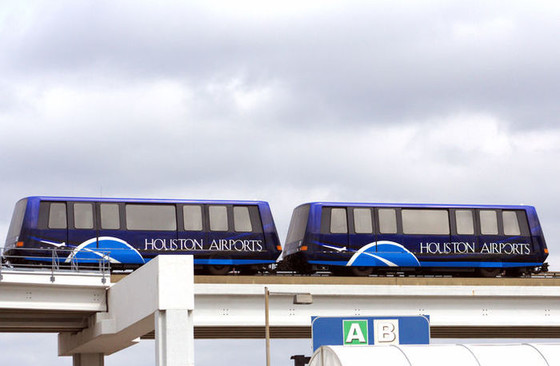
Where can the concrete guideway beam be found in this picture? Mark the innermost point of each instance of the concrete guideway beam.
(35, 291)
(45, 301)
(221, 305)
(158, 296)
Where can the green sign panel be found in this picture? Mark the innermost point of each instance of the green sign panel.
(355, 332)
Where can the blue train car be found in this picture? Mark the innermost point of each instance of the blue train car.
(220, 234)
(363, 238)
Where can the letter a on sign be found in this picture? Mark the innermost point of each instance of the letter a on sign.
(355, 332)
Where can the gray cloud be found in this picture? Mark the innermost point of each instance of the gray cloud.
(359, 64)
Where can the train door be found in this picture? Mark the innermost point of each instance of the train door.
(334, 232)
(464, 244)
(52, 228)
(249, 244)
(114, 240)
(235, 237)
(373, 245)
(361, 228)
(387, 225)
(504, 239)
(517, 245)
(82, 232)
(517, 235)
(489, 238)
(191, 237)
(220, 231)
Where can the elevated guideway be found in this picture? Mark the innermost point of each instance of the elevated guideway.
(96, 315)
(232, 306)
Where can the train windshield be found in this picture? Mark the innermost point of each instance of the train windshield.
(17, 222)
(298, 224)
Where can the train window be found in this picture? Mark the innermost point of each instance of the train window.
(434, 222)
(241, 219)
(387, 221)
(83, 215)
(465, 222)
(488, 222)
(192, 217)
(218, 218)
(110, 216)
(362, 221)
(339, 225)
(511, 224)
(151, 217)
(57, 216)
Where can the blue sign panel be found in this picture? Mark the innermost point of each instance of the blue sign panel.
(384, 330)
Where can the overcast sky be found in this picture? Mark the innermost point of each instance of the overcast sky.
(288, 102)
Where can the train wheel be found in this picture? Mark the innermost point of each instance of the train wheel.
(361, 271)
(489, 272)
(218, 270)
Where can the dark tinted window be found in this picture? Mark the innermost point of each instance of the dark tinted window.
(57, 216)
(83, 215)
(151, 217)
(110, 216)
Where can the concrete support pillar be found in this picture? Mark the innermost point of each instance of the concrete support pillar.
(88, 359)
(159, 296)
(174, 335)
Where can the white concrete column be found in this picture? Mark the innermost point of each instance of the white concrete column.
(159, 296)
(174, 333)
(88, 359)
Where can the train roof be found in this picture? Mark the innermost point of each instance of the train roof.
(414, 205)
(146, 200)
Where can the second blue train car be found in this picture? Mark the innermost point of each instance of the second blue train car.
(221, 235)
(363, 238)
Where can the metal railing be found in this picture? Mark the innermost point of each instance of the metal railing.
(54, 260)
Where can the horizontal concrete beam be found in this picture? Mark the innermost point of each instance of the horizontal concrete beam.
(484, 309)
(41, 301)
(51, 321)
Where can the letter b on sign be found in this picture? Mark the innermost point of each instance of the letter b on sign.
(355, 332)
(386, 331)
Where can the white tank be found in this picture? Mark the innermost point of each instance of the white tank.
(439, 355)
